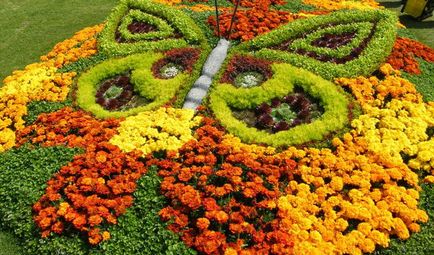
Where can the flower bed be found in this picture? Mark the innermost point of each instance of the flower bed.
(311, 140)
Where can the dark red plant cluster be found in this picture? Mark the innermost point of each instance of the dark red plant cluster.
(90, 192)
(139, 27)
(242, 64)
(270, 117)
(334, 41)
(113, 103)
(69, 128)
(404, 52)
(331, 43)
(222, 197)
(184, 57)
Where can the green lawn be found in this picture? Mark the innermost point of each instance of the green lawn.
(30, 29)
(423, 30)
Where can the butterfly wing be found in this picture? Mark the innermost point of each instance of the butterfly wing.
(164, 51)
(291, 106)
(341, 44)
(167, 28)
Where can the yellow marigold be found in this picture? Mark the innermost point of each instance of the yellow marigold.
(163, 129)
(168, 2)
(343, 4)
(429, 179)
(63, 207)
(105, 235)
(231, 251)
(235, 143)
(36, 82)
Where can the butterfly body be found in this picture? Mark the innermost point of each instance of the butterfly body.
(211, 67)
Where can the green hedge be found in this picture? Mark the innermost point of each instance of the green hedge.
(225, 96)
(362, 30)
(163, 29)
(159, 91)
(376, 51)
(179, 21)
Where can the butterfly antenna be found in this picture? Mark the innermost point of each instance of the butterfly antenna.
(217, 15)
(233, 18)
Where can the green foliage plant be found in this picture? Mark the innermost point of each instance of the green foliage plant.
(163, 29)
(361, 29)
(23, 175)
(158, 91)
(176, 19)
(226, 97)
(375, 52)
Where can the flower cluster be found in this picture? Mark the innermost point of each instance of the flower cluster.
(226, 197)
(287, 112)
(81, 45)
(184, 58)
(404, 52)
(223, 195)
(68, 127)
(349, 200)
(343, 4)
(253, 3)
(375, 91)
(399, 128)
(395, 120)
(90, 192)
(244, 64)
(36, 82)
(40, 81)
(168, 2)
(163, 129)
(250, 22)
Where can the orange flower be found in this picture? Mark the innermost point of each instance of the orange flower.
(105, 235)
(404, 52)
(250, 22)
(202, 223)
(235, 192)
(87, 198)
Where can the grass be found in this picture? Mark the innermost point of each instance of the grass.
(424, 82)
(31, 28)
(423, 30)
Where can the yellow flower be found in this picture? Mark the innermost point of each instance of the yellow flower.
(105, 235)
(164, 129)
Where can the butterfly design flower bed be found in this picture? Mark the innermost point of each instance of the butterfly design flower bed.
(311, 140)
